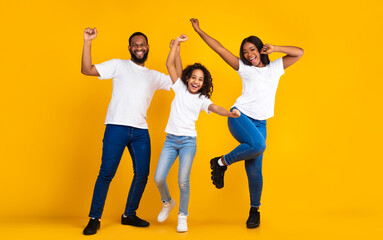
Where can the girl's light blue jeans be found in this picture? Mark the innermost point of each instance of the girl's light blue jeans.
(186, 148)
(251, 134)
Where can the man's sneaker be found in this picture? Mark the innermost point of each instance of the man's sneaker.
(92, 227)
(218, 172)
(182, 223)
(254, 218)
(133, 221)
(164, 214)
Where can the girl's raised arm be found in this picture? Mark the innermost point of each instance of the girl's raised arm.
(178, 61)
(293, 54)
(173, 63)
(225, 54)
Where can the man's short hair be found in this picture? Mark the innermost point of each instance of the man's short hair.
(137, 34)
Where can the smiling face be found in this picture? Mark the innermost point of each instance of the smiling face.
(139, 49)
(251, 54)
(195, 82)
(250, 49)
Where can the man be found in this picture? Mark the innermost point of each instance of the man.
(133, 89)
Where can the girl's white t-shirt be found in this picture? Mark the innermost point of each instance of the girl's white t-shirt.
(133, 89)
(259, 86)
(184, 110)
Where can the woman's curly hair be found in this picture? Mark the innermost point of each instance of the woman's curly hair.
(207, 87)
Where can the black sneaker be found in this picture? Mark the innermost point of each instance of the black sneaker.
(92, 227)
(218, 172)
(254, 218)
(133, 221)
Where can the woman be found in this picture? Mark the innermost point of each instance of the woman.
(260, 79)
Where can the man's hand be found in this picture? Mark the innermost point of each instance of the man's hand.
(90, 34)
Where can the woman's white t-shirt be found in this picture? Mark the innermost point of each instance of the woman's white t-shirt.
(259, 88)
(133, 89)
(184, 110)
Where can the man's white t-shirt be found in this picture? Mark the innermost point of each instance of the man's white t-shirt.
(259, 88)
(133, 89)
(184, 110)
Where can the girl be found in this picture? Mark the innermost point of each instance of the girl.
(260, 79)
(193, 88)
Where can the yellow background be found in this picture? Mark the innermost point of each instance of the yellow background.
(323, 163)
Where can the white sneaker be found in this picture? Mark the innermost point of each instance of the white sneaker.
(164, 214)
(182, 223)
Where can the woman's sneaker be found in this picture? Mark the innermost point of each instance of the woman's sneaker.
(182, 223)
(254, 218)
(164, 214)
(218, 172)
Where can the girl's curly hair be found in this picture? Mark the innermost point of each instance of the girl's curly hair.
(207, 87)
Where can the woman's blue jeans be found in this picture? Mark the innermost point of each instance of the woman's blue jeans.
(186, 148)
(116, 138)
(251, 134)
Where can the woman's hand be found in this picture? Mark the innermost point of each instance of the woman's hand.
(267, 49)
(195, 23)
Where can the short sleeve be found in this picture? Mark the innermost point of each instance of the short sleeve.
(163, 81)
(277, 67)
(178, 85)
(205, 104)
(108, 69)
(241, 66)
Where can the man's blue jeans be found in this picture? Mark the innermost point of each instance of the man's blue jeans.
(251, 134)
(186, 148)
(116, 138)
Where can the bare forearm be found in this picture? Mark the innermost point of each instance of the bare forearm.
(225, 54)
(289, 50)
(293, 54)
(178, 62)
(211, 42)
(170, 62)
(170, 59)
(219, 110)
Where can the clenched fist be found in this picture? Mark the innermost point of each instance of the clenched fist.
(90, 34)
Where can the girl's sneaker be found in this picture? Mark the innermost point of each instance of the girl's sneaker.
(182, 223)
(164, 214)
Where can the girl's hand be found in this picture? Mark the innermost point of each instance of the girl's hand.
(90, 34)
(182, 38)
(267, 49)
(195, 23)
(235, 113)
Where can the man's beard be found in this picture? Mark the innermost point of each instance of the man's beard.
(139, 60)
